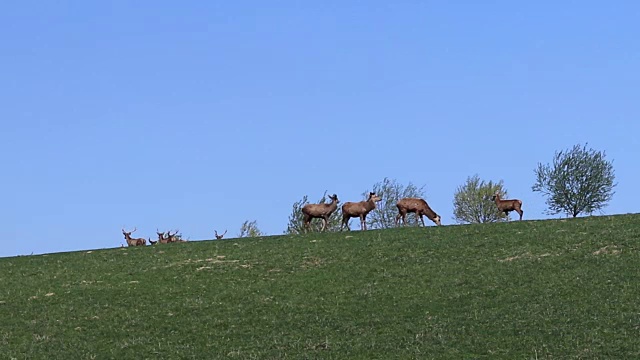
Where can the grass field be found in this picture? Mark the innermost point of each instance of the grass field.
(560, 289)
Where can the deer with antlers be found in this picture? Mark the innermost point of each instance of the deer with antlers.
(359, 209)
(171, 238)
(161, 238)
(507, 206)
(319, 211)
(133, 241)
(221, 235)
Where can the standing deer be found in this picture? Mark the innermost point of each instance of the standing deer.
(133, 241)
(319, 211)
(219, 236)
(418, 206)
(508, 205)
(359, 209)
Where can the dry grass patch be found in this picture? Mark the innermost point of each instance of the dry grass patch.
(527, 255)
(609, 250)
(217, 260)
(312, 261)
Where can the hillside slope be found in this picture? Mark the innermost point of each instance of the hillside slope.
(518, 290)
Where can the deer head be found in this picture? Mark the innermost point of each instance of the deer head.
(374, 197)
(172, 237)
(127, 234)
(219, 236)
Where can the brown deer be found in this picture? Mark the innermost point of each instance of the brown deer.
(133, 241)
(359, 209)
(173, 237)
(161, 239)
(319, 211)
(219, 236)
(417, 206)
(508, 205)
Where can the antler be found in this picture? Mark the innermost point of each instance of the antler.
(174, 233)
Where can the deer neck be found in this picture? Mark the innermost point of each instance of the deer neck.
(370, 205)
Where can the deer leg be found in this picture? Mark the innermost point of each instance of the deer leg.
(363, 223)
(398, 219)
(422, 220)
(520, 212)
(345, 220)
(324, 223)
(306, 222)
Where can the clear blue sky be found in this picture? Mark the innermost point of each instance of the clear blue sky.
(200, 115)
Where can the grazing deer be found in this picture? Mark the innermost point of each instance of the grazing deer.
(321, 211)
(508, 205)
(418, 206)
(133, 241)
(359, 209)
(219, 236)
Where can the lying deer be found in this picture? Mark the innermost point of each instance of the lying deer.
(508, 205)
(417, 206)
(359, 209)
(161, 238)
(174, 237)
(319, 211)
(133, 241)
(219, 236)
(171, 237)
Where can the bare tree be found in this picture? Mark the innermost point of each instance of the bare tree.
(250, 229)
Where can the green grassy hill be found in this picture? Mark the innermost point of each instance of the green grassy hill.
(518, 290)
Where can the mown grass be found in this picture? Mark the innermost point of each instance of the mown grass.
(562, 289)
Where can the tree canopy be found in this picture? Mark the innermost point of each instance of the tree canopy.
(579, 180)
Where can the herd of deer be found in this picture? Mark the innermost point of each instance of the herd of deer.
(349, 210)
(163, 238)
(407, 205)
